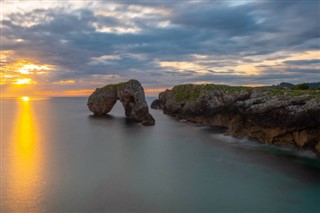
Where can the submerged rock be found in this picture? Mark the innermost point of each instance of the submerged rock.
(269, 115)
(130, 94)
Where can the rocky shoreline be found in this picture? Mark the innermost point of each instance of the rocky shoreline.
(277, 116)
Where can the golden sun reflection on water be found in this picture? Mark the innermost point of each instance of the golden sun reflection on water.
(25, 165)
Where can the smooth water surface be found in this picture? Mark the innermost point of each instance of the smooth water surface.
(57, 157)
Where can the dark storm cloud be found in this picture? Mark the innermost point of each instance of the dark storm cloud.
(303, 71)
(227, 20)
(303, 62)
(295, 22)
(67, 23)
(71, 39)
(108, 20)
(123, 65)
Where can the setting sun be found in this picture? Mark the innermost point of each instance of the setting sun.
(25, 98)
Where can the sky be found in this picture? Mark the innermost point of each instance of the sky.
(69, 48)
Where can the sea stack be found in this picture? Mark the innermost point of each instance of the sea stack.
(284, 117)
(130, 94)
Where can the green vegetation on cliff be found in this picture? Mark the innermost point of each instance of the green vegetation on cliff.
(303, 86)
(222, 87)
(308, 93)
(190, 92)
(120, 85)
(187, 91)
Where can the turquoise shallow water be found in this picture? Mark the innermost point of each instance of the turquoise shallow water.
(56, 157)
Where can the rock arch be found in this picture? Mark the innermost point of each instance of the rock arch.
(130, 94)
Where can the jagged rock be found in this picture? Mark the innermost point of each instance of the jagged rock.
(155, 104)
(130, 94)
(269, 115)
(318, 147)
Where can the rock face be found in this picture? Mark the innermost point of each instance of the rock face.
(269, 115)
(131, 95)
(155, 104)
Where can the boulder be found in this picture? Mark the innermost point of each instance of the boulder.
(130, 94)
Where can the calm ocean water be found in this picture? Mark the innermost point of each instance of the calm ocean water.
(57, 157)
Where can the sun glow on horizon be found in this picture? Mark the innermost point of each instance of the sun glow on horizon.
(22, 72)
(25, 98)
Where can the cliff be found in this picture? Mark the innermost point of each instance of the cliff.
(270, 115)
(130, 94)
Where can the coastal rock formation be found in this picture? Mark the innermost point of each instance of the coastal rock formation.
(155, 104)
(130, 94)
(269, 115)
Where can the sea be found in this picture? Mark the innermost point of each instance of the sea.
(57, 157)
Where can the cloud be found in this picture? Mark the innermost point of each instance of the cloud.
(165, 43)
(233, 21)
(303, 62)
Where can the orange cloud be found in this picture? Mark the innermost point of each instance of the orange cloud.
(23, 81)
(48, 93)
(21, 71)
(65, 82)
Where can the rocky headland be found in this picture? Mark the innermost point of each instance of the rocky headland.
(277, 116)
(130, 94)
